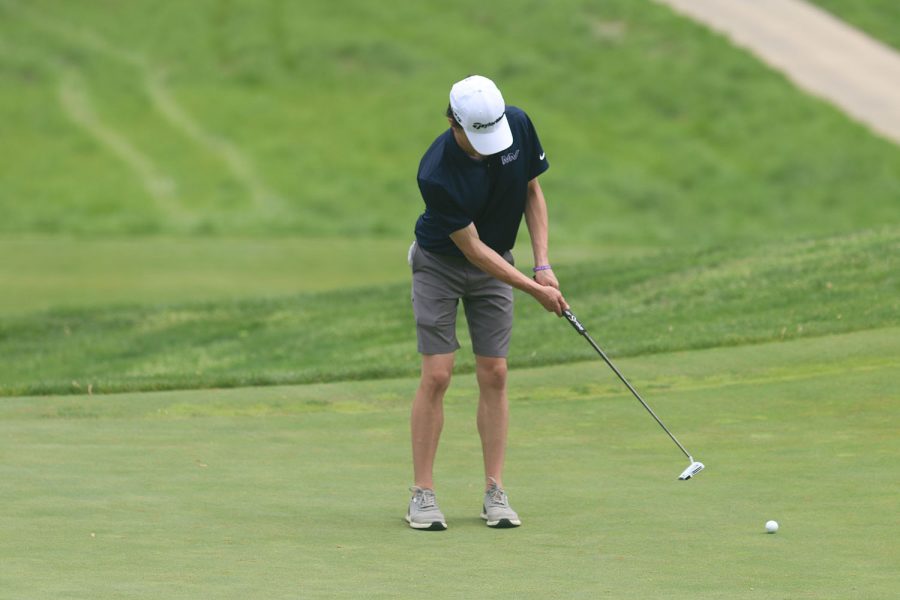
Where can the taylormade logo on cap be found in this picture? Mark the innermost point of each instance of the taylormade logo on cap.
(479, 108)
(486, 125)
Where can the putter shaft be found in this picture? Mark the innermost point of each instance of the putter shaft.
(580, 329)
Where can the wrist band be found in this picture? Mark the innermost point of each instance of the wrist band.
(542, 268)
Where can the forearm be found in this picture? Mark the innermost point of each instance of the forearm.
(482, 256)
(485, 258)
(537, 221)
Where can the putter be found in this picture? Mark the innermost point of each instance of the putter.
(695, 466)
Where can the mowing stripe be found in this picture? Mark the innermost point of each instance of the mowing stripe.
(666, 385)
(239, 166)
(75, 101)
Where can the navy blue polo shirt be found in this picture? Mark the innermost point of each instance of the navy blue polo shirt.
(459, 190)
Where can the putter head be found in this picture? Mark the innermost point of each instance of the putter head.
(694, 468)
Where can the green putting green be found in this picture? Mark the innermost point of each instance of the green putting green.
(287, 492)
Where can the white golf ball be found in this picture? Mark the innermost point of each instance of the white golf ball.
(771, 526)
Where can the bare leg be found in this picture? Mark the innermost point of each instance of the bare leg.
(493, 415)
(427, 417)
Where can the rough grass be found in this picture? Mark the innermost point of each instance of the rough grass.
(662, 302)
(878, 18)
(299, 491)
(278, 118)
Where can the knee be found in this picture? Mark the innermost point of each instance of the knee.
(493, 375)
(436, 381)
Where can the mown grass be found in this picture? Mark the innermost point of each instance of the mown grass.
(658, 130)
(663, 302)
(41, 272)
(289, 492)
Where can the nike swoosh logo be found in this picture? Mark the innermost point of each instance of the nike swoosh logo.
(541, 157)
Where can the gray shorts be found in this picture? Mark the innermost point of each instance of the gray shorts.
(439, 282)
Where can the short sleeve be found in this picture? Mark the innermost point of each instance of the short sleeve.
(443, 213)
(537, 159)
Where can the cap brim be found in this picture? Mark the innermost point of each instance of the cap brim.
(498, 139)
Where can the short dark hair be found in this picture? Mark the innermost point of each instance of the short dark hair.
(452, 117)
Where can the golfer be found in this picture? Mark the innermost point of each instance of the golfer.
(477, 179)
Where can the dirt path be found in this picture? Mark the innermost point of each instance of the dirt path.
(819, 53)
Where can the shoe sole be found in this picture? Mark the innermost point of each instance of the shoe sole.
(433, 526)
(501, 523)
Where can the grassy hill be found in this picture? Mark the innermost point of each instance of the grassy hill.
(255, 149)
(878, 18)
(278, 118)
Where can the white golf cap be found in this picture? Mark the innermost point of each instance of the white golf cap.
(478, 106)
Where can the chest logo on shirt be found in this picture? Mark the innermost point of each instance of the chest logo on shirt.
(508, 158)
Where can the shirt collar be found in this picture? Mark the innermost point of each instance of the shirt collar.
(459, 154)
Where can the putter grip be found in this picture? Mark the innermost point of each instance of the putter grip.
(574, 321)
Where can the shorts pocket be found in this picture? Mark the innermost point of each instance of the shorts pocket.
(410, 253)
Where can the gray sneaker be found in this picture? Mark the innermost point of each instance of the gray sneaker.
(496, 511)
(423, 511)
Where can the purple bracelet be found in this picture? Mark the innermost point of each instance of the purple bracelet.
(542, 268)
